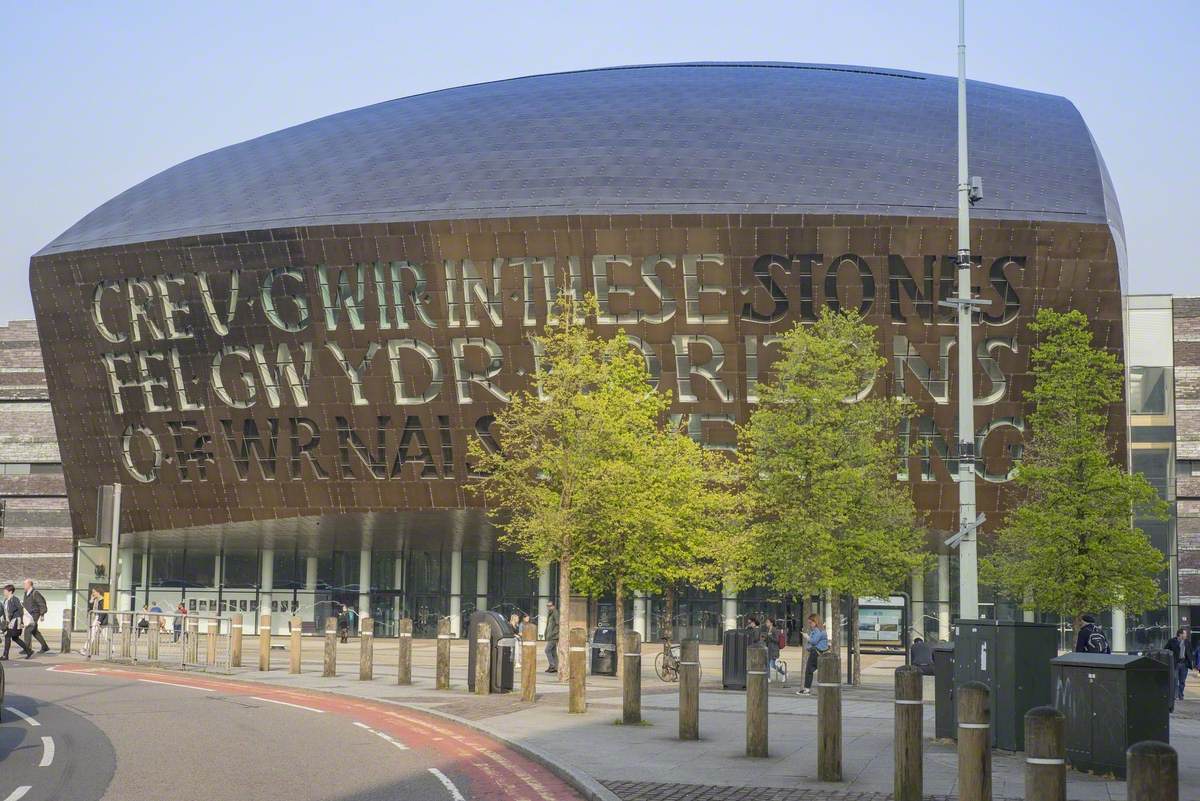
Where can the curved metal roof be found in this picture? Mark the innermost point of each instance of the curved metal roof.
(684, 138)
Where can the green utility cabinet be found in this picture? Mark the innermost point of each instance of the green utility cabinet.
(1013, 659)
(1110, 702)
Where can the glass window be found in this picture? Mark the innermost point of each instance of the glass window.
(289, 570)
(1147, 390)
(241, 570)
(198, 568)
(166, 568)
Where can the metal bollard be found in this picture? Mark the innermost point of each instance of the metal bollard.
(366, 649)
(1045, 755)
(264, 641)
(294, 647)
(689, 690)
(404, 649)
(483, 659)
(529, 663)
(210, 656)
(756, 701)
(909, 780)
(331, 637)
(1152, 772)
(631, 680)
(152, 638)
(235, 640)
(829, 718)
(64, 643)
(974, 742)
(577, 661)
(442, 681)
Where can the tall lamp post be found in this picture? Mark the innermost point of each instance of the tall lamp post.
(970, 190)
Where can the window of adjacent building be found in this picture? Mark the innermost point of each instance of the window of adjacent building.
(1147, 390)
(1187, 468)
(30, 468)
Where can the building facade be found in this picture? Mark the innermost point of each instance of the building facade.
(281, 349)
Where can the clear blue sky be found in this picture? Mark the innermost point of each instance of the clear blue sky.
(99, 96)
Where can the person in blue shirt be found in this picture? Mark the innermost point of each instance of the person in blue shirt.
(818, 643)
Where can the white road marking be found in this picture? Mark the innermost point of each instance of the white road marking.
(449, 785)
(285, 703)
(174, 684)
(22, 716)
(19, 793)
(383, 735)
(47, 752)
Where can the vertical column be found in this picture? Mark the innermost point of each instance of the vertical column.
(264, 638)
(943, 603)
(756, 701)
(917, 624)
(689, 689)
(728, 605)
(144, 579)
(631, 680)
(908, 774)
(218, 572)
(456, 593)
(639, 615)
(1118, 631)
(266, 585)
(481, 583)
(543, 599)
(974, 742)
(364, 585)
(529, 664)
(442, 675)
(125, 581)
(398, 586)
(310, 574)
(483, 659)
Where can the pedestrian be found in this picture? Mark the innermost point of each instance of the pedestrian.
(552, 637)
(177, 623)
(818, 643)
(344, 624)
(35, 607)
(155, 609)
(514, 622)
(1091, 639)
(143, 624)
(14, 616)
(95, 620)
(770, 638)
(752, 632)
(1185, 659)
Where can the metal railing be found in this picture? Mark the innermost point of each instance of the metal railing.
(199, 642)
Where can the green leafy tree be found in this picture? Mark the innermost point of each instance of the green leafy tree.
(819, 460)
(1071, 547)
(570, 456)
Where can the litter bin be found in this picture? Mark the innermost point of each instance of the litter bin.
(733, 659)
(1012, 658)
(604, 651)
(1168, 659)
(502, 650)
(1111, 701)
(945, 716)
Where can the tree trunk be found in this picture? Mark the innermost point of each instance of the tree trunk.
(619, 625)
(853, 641)
(669, 619)
(564, 617)
(834, 624)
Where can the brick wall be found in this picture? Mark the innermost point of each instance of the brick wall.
(1186, 312)
(35, 540)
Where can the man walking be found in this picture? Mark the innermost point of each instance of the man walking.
(552, 637)
(12, 622)
(35, 605)
(1185, 659)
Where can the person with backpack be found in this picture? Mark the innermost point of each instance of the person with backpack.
(1185, 659)
(1091, 639)
(775, 639)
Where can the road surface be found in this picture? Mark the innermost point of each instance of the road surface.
(72, 731)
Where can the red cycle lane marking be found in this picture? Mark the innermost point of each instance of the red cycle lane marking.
(458, 748)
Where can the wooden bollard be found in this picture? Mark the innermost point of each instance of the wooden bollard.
(529, 663)
(192, 649)
(442, 680)
(126, 635)
(483, 659)
(829, 718)
(1152, 772)
(909, 778)
(329, 669)
(264, 641)
(631, 680)
(366, 649)
(210, 656)
(295, 628)
(404, 649)
(689, 690)
(756, 701)
(1045, 755)
(235, 640)
(152, 638)
(974, 742)
(577, 665)
(64, 644)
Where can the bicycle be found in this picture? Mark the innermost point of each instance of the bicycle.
(666, 662)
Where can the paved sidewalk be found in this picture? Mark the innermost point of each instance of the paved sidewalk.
(639, 763)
